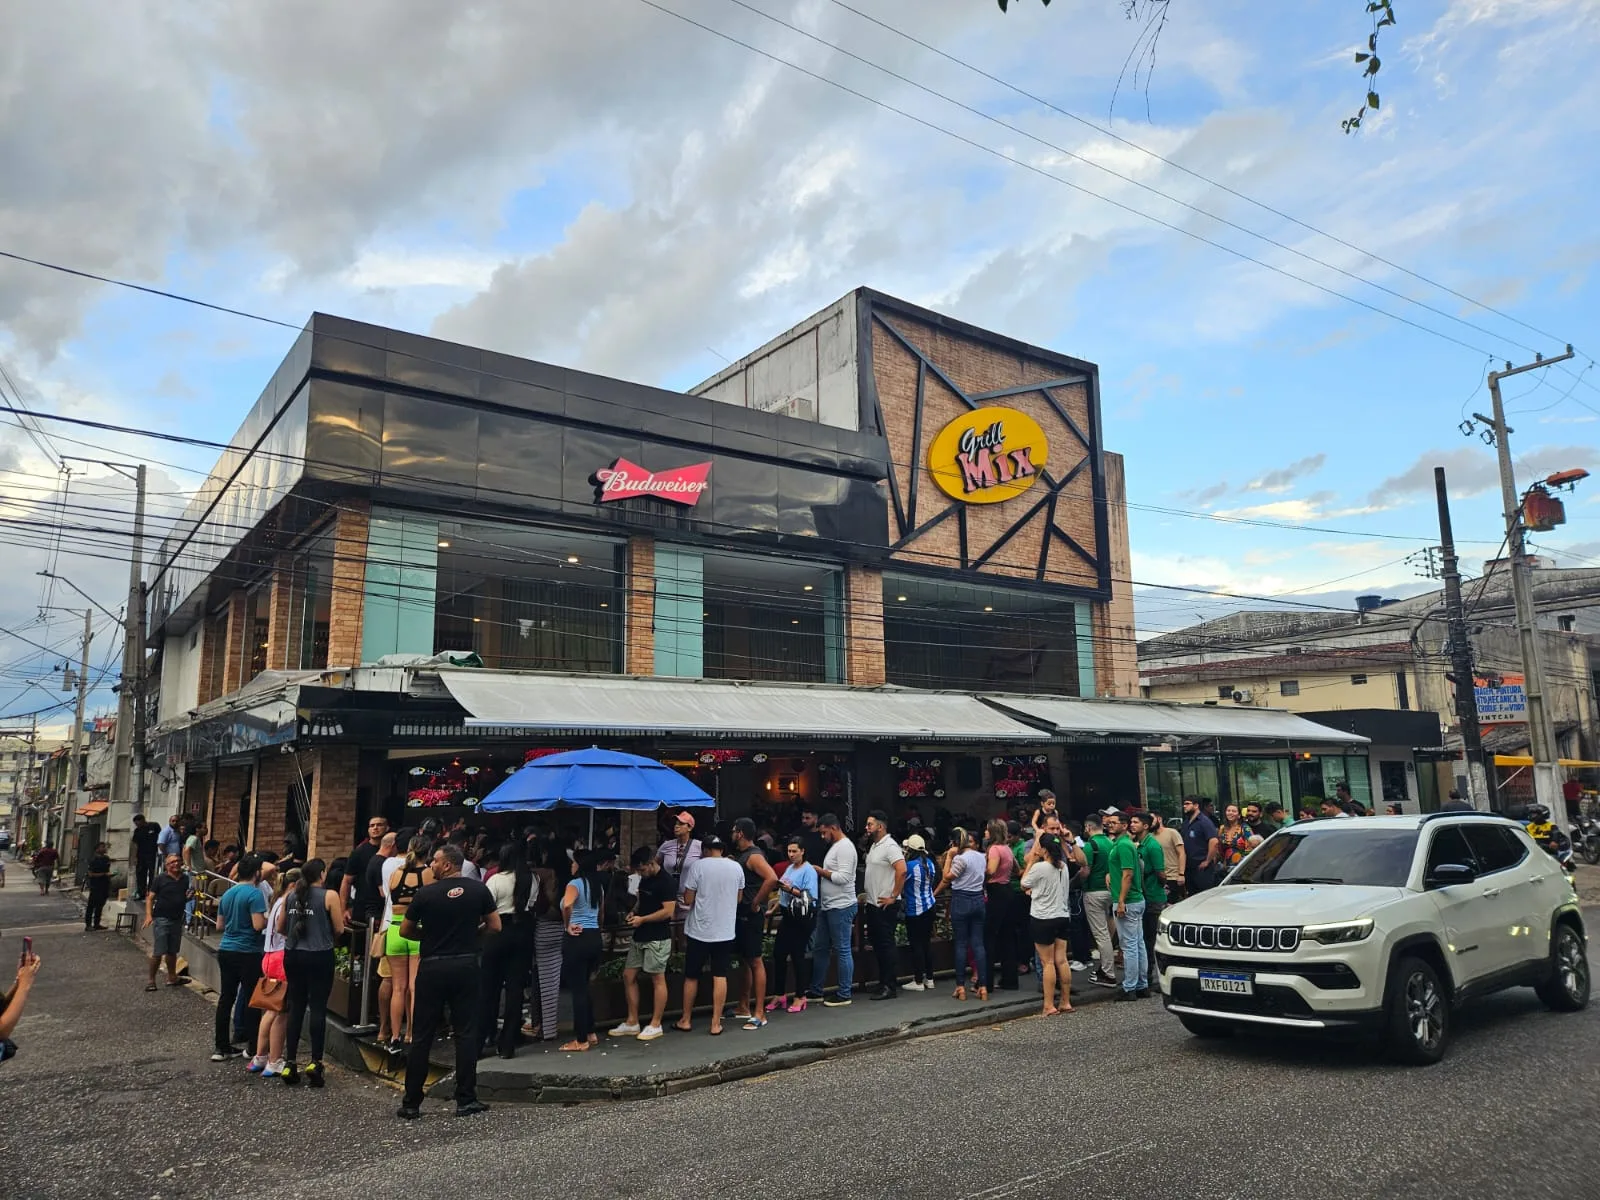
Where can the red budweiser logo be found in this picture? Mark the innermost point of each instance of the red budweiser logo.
(623, 480)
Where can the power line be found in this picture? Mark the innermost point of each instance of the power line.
(1106, 131)
(1130, 180)
(1037, 170)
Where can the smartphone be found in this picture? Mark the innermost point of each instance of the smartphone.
(27, 951)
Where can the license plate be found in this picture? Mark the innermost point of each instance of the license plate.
(1227, 983)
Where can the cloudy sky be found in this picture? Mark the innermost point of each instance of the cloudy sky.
(605, 185)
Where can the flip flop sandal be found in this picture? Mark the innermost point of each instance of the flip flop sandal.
(149, 987)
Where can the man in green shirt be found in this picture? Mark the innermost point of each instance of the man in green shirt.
(1127, 905)
(1153, 886)
(1097, 900)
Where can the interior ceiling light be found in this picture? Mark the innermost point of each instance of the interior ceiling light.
(988, 608)
(900, 598)
(443, 545)
(794, 622)
(572, 558)
(807, 588)
(603, 604)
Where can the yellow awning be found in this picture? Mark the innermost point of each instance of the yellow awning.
(1526, 760)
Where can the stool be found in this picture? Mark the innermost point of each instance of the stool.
(127, 920)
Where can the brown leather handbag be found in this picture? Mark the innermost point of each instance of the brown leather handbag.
(270, 995)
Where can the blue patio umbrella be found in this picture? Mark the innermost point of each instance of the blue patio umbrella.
(593, 778)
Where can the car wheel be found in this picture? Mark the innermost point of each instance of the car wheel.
(1567, 989)
(1418, 1016)
(1203, 1027)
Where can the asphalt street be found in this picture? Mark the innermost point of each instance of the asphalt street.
(112, 1096)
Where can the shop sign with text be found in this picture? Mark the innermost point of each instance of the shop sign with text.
(988, 455)
(624, 480)
(1501, 699)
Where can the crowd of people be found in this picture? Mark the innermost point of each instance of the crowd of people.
(477, 935)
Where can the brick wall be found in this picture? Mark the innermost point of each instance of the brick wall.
(639, 638)
(333, 802)
(275, 771)
(349, 580)
(228, 788)
(233, 644)
(976, 366)
(278, 632)
(199, 795)
(864, 662)
(1116, 664)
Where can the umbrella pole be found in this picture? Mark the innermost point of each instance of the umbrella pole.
(591, 829)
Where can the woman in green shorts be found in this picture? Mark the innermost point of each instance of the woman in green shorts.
(401, 882)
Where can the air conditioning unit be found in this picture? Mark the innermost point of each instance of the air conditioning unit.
(1243, 696)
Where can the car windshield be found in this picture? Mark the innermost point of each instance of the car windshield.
(1362, 857)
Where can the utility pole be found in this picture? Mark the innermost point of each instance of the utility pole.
(127, 778)
(1541, 729)
(1478, 778)
(73, 775)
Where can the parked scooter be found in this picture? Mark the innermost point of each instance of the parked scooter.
(1586, 839)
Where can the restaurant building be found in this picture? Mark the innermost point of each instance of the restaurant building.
(849, 570)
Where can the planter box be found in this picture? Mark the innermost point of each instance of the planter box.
(344, 1001)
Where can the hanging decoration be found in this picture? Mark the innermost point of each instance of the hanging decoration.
(1020, 776)
(919, 776)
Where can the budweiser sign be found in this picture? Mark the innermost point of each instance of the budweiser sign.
(624, 480)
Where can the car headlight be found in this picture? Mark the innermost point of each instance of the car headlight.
(1162, 923)
(1337, 933)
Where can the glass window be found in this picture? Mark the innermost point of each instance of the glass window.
(1449, 846)
(1365, 858)
(1496, 848)
(1289, 687)
(310, 604)
(773, 619)
(253, 646)
(1259, 781)
(958, 635)
(1171, 777)
(1358, 680)
(524, 598)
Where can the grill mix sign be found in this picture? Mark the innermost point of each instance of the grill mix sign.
(988, 455)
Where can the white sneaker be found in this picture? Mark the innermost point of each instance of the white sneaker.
(650, 1033)
(625, 1030)
(273, 1068)
(1078, 966)
(925, 986)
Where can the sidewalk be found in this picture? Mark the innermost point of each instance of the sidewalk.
(628, 1069)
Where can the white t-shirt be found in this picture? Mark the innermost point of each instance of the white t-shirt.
(881, 858)
(471, 870)
(841, 859)
(503, 887)
(1047, 886)
(275, 940)
(716, 884)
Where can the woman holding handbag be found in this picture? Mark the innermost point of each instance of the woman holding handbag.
(797, 904)
(311, 922)
(241, 919)
(581, 905)
(271, 993)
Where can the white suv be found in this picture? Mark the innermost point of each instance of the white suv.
(1378, 924)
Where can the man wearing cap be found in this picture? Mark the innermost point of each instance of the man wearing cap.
(886, 879)
(681, 851)
(1096, 897)
(836, 921)
(711, 890)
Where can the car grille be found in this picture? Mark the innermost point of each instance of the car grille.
(1330, 976)
(1263, 939)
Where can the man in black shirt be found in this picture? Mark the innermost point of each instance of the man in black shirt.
(142, 851)
(355, 873)
(163, 907)
(445, 916)
(99, 888)
(651, 922)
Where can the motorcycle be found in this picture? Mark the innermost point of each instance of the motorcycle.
(1586, 839)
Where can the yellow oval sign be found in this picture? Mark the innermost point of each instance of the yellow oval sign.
(988, 455)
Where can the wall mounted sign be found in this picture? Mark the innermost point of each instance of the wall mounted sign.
(988, 455)
(1501, 700)
(624, 480)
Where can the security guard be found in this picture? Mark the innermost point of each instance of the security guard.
(445, 917)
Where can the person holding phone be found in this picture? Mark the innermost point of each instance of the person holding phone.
(13, 1002)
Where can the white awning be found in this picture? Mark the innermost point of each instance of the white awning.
(596, 706)
(1158, 722)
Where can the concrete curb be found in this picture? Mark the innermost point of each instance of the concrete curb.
(563, 1088)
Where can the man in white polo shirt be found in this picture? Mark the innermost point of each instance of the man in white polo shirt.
(886, 878)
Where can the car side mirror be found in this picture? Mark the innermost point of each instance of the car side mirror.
(1449, 874)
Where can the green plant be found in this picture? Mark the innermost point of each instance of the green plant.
(341, 962)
